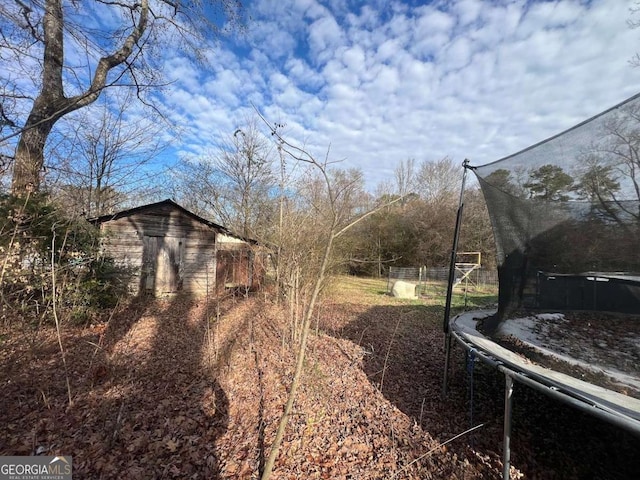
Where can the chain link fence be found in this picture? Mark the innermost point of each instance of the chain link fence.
(423, 277)
(408, 274)
(481, 277)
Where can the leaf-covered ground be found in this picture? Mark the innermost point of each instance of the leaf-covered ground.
(601, 348)
(190, 388)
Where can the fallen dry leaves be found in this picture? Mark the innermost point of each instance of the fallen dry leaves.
(192, 389)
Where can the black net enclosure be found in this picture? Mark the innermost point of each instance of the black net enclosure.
(566, 217)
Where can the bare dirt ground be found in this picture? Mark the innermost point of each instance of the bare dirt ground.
(172, 389)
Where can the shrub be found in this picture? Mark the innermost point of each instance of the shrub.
(39, 242)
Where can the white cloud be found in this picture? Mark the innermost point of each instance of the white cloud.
(299, 71)
(433, 21)
(467, 11)
(324, 35)
(457, 54)
(354, 59)
(273, 41)
(382, 83)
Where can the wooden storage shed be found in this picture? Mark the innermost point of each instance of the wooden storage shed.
(169, 249)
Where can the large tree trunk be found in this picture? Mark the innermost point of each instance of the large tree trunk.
(29, 158)
(51, 103)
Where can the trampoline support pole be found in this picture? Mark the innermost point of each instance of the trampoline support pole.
(471, 363)
(454, 250)
(447, 355)
(452, 268)
(506, 442)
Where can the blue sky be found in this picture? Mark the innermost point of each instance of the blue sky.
(380, 82)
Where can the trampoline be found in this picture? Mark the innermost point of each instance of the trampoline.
(566, 221)
(615, 407)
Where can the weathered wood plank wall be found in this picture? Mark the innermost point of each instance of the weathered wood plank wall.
(170, 250)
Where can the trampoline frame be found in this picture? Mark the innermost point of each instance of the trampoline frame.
(548, 386)
(513, 373)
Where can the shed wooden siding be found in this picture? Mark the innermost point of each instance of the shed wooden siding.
(169, 249)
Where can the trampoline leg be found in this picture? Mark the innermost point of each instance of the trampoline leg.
(447, 354)
(471, 362)
(506, 443)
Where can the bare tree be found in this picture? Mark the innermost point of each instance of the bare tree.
(634, 23)
(107, 159)
(438, 182)
(622, 147)
(598, 185)
(331, 196)
(405, 176)
(37, 34)
(610, 176)
(236, 185)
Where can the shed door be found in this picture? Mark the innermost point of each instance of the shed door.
(163, 264)
(234, 268)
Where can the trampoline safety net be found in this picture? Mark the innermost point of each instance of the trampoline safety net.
(566, 217)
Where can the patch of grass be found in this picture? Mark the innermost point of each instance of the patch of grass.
(370, 286)
(473, 298)
(368, 291)
(373, 291)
